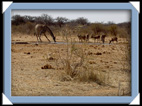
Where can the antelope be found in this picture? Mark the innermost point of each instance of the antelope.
(85, 38)
(103, 38)
(113, 39)
(95, 37)
(79, 37)
(41, 29)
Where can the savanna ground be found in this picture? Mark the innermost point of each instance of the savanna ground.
(73, 69)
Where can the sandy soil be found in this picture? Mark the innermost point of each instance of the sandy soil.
(110, 62)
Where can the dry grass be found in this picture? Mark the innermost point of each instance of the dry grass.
(78, 69)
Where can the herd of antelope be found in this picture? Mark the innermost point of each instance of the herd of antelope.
(98, 37)
(41, 29)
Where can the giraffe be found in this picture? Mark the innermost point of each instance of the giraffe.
(41, 29)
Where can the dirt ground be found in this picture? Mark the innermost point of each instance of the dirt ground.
(111, 63)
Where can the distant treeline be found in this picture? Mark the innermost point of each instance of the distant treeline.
(46, 19)
(25, 24)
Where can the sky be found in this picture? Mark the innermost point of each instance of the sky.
(105, 16)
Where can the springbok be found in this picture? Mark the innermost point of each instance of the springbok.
(95, 37)
(41, 28)
(103, 38)
(113, 39)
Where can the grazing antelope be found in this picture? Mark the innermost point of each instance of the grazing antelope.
(113, 39)
(79, 37)
(41, 29)
(103, 38)
(85, 38)
(95, 37)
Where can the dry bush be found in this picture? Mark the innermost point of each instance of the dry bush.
(70, 62)
(97, 28)
(113, 29)
(75, 64)
(86, 74)
(84, 30)
(102, 77)
(122, 33)
(27, 28)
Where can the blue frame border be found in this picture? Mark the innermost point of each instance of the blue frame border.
(72, 99)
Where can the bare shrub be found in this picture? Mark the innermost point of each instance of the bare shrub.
(70, 65)
(76, 64)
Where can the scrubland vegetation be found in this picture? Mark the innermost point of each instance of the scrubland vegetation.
(70, 69)
(25, 25)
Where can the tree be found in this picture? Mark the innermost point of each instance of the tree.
(29, 18)
(82, 21)
(17, 20)
(110, 23)
(39, 20)
(47, 19)
(61, 20)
